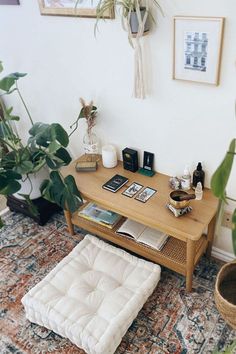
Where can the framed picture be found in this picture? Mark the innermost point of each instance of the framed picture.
(9, 2)
(132, 190)
(145, 194)
(85, 8)
(197, 48)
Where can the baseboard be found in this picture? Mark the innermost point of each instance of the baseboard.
(4, 211)
(222, 255)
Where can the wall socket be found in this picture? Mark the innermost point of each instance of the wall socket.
(227, 219)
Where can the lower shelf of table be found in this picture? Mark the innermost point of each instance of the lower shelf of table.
(172, 256)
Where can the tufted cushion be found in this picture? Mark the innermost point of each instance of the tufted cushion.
(93, 295)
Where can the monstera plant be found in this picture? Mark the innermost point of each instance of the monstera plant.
(44, 149)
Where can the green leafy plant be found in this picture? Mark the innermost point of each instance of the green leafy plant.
(219, 183)
(45, 148)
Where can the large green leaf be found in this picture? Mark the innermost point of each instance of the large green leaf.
(24, 167)
(1, 67)
(9, 183)
(62, 192)
(59, 159)
(58, 133)
(40, 134)
(220, 177)
(234, 231)
(8, 81)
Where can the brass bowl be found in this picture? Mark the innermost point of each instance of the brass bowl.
(178, 204)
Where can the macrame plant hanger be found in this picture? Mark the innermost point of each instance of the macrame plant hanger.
(135, 41)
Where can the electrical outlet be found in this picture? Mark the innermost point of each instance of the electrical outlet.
(227, 219)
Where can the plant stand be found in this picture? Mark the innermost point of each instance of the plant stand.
(45, 208)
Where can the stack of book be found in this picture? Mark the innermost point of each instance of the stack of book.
(99, 215)
(143, 234)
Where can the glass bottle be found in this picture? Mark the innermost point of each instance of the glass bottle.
(91, 143)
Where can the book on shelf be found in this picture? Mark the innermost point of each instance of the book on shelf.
(115, 183)
(98, 214)
(143, 234)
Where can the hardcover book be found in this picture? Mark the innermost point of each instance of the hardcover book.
(115, 183)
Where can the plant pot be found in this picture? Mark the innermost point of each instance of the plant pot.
(134, 25)
(32, 186)
(225, 293)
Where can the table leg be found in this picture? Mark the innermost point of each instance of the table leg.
(210, 235)
(191, 248)
(68, 221)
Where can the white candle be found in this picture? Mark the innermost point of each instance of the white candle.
(109, 157)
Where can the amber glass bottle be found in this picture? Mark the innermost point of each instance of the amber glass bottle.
(198, 176)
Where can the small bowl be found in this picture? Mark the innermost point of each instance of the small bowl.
(178, 204)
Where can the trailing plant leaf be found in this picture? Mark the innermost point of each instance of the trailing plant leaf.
(1, 67)
(64, 193)
(8, 81)
(221, 176)
(59, 134)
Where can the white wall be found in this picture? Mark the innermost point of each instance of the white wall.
(180, 122)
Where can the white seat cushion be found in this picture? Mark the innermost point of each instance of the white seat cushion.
(93, 295)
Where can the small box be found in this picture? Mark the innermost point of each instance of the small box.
(86, 166)
(130, 159)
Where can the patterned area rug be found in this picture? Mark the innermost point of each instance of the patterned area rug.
(171, 321)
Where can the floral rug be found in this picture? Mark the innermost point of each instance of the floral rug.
(171, 321)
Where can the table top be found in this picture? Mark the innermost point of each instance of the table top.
(153, 213)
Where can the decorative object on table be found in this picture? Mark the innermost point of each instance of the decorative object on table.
(90, 140)
(175, 183)
(178, 212)
(146, 194)
(186, 179)
(132, 190)
(115, 183)
(72, 8)
(86, 166)
(225, 288)
(100, 215)
(45, 209)
(9, 2)
(109, 156)
(198, 176)
(135, 15)
(180, 199)
(45, 148)
(197, 48)
(130, 159)
(199, 191)
(147, 169)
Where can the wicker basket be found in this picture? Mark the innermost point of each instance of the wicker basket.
(225, 293)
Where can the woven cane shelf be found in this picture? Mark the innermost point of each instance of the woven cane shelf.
(173, 254)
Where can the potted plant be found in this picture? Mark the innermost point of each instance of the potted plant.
(225, 287)
(44, 153)
(134, 14)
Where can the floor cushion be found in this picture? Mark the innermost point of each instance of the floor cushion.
(93, 295)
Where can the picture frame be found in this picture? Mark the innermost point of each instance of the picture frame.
(133, 189)
(86, 8)
(197, 48)
(148, 159)
(9, 2)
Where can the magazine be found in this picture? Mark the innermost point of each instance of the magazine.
(98, 214)
(143, 234)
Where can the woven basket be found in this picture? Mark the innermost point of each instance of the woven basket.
(225, 293)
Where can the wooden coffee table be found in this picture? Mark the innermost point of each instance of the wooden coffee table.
(191, 234)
